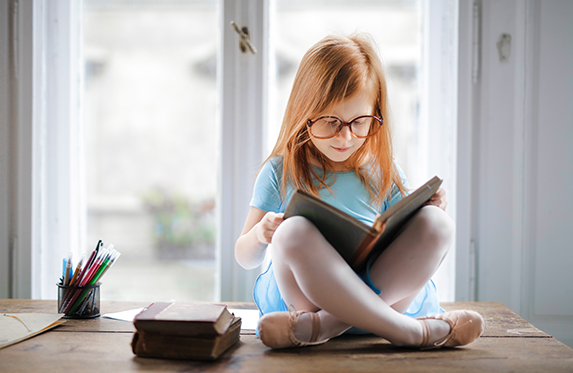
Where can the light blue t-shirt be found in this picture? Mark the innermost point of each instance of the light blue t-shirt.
(350, 195)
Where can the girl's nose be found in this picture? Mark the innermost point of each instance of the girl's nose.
(345, 133)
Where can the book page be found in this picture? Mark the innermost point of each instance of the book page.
(16, 327)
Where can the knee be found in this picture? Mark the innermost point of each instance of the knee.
(292, 237)
(436, 228)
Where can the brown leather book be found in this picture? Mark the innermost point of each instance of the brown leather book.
(354, 240)
(155, 345)
(190, 319)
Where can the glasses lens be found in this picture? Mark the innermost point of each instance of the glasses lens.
(325, 127)
(364, 126)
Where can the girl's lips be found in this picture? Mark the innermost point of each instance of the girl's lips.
(341, 150)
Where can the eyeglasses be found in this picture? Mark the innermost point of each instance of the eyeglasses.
(361, 127)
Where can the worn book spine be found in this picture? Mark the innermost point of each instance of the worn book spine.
(359, 257)
(145, 344)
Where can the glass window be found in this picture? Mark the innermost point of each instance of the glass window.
(150, 112)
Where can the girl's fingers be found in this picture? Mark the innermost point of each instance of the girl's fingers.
(270, 223)
(439, 199)
(276, 219)
(267, 235)
(440, 193)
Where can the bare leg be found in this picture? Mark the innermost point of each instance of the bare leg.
(313, 277)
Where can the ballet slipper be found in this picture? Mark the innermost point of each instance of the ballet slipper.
(276, 329)
(465, 327)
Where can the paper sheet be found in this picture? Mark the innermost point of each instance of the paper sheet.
(16, 327)
(249, 318)
(128, 315)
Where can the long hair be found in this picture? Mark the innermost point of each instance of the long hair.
(331, 71)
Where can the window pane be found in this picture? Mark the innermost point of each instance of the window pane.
(151, 142)
(395, 25)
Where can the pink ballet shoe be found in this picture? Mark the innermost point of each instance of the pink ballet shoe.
(465, 327)
(276, 329)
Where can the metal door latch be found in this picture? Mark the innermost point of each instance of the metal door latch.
(244, 42)
(504, 47)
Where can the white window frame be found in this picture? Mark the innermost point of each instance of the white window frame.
(243, 111)
(42, 189)
(468, 73)
(42, 195)
(18, 173)
(40, 177)
(438, 116)
(5, 150)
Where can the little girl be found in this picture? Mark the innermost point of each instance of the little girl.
(335, 143)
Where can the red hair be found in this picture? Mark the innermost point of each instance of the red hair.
(331, 71)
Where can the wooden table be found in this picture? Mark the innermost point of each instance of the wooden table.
(509, 343)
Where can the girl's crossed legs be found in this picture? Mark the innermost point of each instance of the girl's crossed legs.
(312, 276)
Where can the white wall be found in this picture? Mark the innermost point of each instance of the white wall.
(549, 174)
(522, 162)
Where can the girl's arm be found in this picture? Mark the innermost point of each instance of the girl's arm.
(257, 233)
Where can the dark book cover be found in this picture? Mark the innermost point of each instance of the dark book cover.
(354, 240)
(184, 318)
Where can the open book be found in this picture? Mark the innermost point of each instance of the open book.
(353, 239)
(16, 327)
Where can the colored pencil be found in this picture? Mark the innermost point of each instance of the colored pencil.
(97, 265)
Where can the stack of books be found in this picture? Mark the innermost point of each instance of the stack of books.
(185, 330)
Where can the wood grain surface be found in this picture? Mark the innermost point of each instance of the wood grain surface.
(509, 343)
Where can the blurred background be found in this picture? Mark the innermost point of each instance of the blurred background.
(150, 115)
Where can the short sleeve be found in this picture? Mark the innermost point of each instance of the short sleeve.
(266, 192)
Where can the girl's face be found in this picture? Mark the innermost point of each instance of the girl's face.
(340, 147)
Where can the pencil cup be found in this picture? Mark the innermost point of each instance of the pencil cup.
(79, 302)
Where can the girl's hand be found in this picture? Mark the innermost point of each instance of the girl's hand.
(439, 199)
(268, 225)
